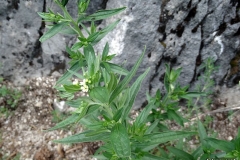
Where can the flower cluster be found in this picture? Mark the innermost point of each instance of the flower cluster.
(84, 84)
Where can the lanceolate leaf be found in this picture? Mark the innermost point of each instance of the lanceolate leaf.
(76, 74)
(120, 141)
(202, 131)
(142, 117)
(72, 119)
(54, 30)
(180, 153)
(220, 144)
(82, 137)
(76, 67)
(76, 46)
(127, 79)
(99, 94)
(148, 156)
(133, 93)
(77, 102)
(193, 95)
(113, 68)
(89, 54)
(173, 115)
(103, 14)
(105, 31)
(71, 88)
(158, 138)
(105, 52)
(198, 152)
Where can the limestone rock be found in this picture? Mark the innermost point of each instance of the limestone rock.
(182, 33)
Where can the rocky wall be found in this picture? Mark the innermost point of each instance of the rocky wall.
(182, 33)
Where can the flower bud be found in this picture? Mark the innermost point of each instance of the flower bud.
(83, 5)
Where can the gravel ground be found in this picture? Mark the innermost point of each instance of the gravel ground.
(23, 131)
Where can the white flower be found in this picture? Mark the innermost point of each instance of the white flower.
(84, 82)
(75, 82)
(84, 86)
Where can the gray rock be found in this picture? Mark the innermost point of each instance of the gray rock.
(19, 48)
(22, 56)
(179, 32)
(182, 33)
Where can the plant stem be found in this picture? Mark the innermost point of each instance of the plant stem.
(76, 28)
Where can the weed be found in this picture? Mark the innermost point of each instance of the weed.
(105, 109)
(9, 98)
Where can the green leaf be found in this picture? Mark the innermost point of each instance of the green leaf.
(71, 88)
(152, 126)
(103, 14)
(76, 74)
(106, 76)
(121, 86)
(112, 83)
(93, 36)
(173, 115)
(75, 67)
(54, 30)
(105, 31)
(105, 52)
(117, 69)
(148, 156)
(93, 27)
(113, 68)
(133, 93)
(76, 46)
(120, 141)
(82, 137)
(68, 31)
(77, 102)
(64, 2)
(220, 144)
(180, 153)
(202, 132)
(193, 95)
(198, 152)
(89, 54)
(99, 94)
(158, 138)
(72, 119)
(142, 117)
(118, 115)
(67, 95)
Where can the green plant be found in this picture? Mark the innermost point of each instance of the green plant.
(58, 116)
(105, 109)
(12, 157)
(197, 106)
(8, 98)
